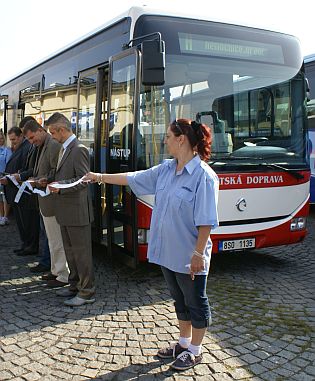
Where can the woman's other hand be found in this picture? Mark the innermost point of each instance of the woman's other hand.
(197, 264)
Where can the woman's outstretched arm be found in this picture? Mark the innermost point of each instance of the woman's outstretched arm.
(107, 178)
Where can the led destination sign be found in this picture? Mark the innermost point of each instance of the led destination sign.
(232, 48)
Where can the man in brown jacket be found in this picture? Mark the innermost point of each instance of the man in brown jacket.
(44, 168)
(73, 210)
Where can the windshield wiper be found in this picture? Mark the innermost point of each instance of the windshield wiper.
(292, 172)
(224, 161)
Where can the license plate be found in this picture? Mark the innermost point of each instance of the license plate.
(237, 244)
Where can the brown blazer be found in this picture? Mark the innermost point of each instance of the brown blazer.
(45, 166)
(72, 205)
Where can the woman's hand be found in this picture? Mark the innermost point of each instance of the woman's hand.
(197, 264)
(91, 177)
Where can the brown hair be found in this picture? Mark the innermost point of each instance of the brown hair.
(15, 130)
(31, 125)
(25, 120)
(198, 135)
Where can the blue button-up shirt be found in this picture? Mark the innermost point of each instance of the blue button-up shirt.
(5, 154)
(183, 201)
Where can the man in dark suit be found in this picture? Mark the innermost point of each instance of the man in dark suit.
(22, 154)
(44, 170)
(73, 211)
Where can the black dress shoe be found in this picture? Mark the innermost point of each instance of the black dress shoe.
(49, 276)
(54, 283)
(39, 269)
(26, 252)
(18, 250)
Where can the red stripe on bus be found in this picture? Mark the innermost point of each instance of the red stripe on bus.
(261, 180)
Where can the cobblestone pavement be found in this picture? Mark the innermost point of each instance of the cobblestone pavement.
(263, 320)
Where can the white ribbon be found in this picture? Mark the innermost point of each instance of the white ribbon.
(27, 185)
(14, 181)
(68, 185)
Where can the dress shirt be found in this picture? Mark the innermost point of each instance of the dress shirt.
(5, 153)
(183, 201)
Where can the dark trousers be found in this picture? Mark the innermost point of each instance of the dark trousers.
(27, 220)
(78, 249)
(20, 225)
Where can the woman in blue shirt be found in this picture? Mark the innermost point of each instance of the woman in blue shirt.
(5, 154)
(185, 211)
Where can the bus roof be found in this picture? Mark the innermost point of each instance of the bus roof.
(309, 58)
(134, 13)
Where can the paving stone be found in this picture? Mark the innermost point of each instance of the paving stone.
(262, 309)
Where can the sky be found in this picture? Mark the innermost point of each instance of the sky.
(34, 29)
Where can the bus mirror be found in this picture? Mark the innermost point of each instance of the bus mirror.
(153, 62)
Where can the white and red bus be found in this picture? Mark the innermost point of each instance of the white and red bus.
(309, 62)
(124, 83)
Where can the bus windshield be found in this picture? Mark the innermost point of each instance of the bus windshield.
(248, 89)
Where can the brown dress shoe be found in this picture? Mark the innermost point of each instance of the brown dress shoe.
(54, 283)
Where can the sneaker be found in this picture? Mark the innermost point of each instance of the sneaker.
(77, 301)
(2, 222)
(171, 352)
(186, 360)
(6, 220)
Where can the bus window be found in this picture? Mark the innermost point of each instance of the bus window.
(154, 118)
(41, 103)
(87, 102)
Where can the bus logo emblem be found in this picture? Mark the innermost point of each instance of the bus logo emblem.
(241, 204)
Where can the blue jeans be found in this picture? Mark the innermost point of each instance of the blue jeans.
(191, 300)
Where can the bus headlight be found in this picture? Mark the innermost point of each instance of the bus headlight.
(143, 236)
(298, 223)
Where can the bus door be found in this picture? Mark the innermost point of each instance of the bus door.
(88, 122)
(121, 154)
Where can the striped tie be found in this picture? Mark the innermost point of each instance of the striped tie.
(62, 150)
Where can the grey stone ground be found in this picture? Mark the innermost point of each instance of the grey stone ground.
(263, 320)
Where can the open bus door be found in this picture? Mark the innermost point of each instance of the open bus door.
(122, 120)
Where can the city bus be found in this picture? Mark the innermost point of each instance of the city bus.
(309, 62)
(123, 84)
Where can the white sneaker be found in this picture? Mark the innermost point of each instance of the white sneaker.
(77, 301)
(2, 221)
(6, 220)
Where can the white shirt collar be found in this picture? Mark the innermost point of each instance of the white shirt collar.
(68, 141)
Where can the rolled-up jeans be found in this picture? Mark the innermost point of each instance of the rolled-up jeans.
(190, 296)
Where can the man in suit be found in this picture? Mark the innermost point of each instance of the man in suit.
(73, 212)
(22, 154)
(44, 170)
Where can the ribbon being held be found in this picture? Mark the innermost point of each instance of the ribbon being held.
(55, 187)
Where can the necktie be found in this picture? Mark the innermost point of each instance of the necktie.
(62, 150)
